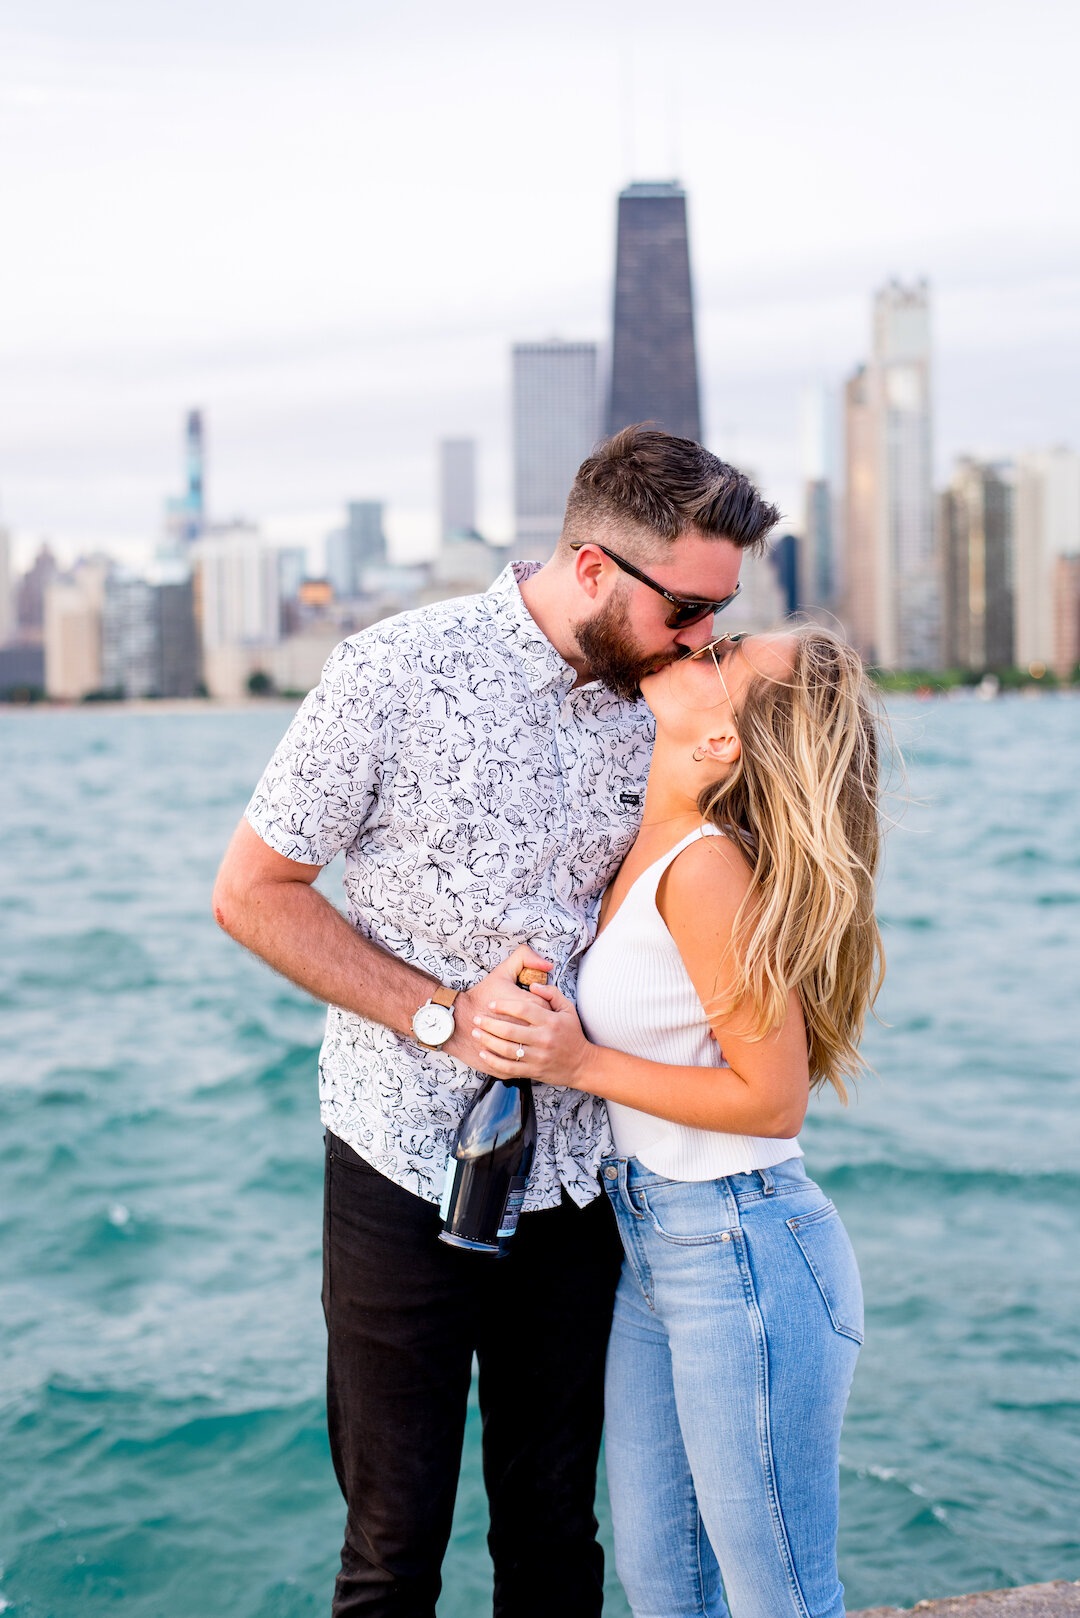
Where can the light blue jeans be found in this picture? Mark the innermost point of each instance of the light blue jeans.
(738, 1320)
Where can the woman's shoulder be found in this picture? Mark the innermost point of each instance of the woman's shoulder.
(705, 883)
(715, 856)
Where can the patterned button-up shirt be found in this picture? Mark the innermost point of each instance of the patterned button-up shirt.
(481, 803)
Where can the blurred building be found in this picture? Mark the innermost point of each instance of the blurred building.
(294, 666)
(243, 613)
(784, 554)
(7, 588)
(818, 527)
(1066, 617)
(316, 595)
(149, 643)
(457, 487)
(129, 641)
(316, 622)
(1047, 527)
(30, 594)
(292, 572)
(238, 603)
(861, 565)
(762, 602)
(892, 571)
(464, 566)
(360, 544)
(976, 523)
(653, 358)
(391, 588)
(555, 426)
(238, 590)
(820, 473)
(185, 514)
(22, 669)
(74, 604)
(179, 672)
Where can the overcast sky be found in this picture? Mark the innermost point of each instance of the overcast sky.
(326, 223)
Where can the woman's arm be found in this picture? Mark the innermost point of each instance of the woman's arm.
(765, 1089)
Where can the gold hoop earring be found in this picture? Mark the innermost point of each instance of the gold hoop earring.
(698, 755)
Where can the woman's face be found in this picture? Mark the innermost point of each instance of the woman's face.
(700, 696)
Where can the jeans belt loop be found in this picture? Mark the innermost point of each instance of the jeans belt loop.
(768, 1185)
(624, 1189)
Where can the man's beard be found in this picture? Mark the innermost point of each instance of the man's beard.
(613, 655)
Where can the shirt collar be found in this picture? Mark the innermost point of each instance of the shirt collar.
(543, 665)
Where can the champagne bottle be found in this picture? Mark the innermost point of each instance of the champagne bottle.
(488, 1168)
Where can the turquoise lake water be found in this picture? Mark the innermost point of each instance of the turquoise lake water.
(161, 1421)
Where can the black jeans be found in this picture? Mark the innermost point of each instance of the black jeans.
(405, 1314)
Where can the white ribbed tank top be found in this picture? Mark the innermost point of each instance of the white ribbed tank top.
(634, 994)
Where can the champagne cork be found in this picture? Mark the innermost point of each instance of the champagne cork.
(529, 975)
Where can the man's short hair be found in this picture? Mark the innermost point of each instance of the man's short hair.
(642, 477)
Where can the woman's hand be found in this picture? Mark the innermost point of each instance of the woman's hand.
(545, 1029)
(501, 982)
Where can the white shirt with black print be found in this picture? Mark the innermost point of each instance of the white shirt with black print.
(481, 803)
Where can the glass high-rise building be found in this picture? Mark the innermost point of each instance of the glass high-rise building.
(976, 537)
(819, 455)
(556, 422)
(185, 514)
(892, 564)
(457, 488)
(1047, 528)
(654, 373)
(149, 639)
(359, 545)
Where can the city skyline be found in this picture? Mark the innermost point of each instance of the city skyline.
(955, 579)
(330, 354)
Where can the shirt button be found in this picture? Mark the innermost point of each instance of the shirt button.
(611, 1174)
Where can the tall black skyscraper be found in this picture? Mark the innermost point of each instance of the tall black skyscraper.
(653, 362)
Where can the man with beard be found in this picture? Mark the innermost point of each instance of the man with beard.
(482, 764)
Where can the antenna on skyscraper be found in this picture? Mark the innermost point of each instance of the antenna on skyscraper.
(627, 107)
(674, 129)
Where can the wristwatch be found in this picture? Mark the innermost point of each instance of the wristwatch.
(434, 1022)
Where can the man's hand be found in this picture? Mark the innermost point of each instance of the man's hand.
(500, 984)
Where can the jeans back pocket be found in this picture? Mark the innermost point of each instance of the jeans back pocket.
(827, 1249)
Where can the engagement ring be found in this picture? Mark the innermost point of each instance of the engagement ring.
(519, 1053)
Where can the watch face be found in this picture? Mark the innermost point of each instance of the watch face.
(433, 1024)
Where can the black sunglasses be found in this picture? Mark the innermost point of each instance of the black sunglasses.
(685, 610)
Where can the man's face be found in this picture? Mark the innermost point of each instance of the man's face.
(627, 637)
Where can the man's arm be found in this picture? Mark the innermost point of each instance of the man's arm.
(267, 903)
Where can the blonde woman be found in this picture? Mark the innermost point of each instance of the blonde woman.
(736, 959)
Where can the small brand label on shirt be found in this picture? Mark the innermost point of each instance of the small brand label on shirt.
(632, 799)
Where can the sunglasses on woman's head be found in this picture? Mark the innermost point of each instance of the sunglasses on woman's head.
(685, 610)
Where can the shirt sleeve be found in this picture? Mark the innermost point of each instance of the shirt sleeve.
(320, 787)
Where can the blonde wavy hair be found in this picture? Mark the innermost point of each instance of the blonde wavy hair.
(803, 802)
